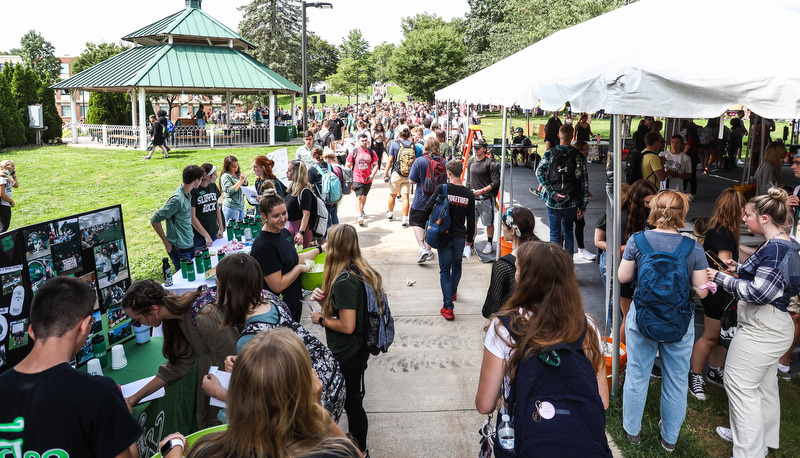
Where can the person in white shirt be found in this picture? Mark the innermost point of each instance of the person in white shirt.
(677, 165)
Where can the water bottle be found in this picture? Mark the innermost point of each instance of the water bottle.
(190, 270)
(166, 270)
(99, 349)
(505, 433)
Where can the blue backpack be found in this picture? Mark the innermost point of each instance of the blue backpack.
(554, 404)
(331, 191)
(378, 324)
(663, 309)
(438, 227)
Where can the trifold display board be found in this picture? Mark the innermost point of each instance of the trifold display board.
(88, 245)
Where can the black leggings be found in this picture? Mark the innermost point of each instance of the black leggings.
(353, 371)
(580, 223)
(5, 217)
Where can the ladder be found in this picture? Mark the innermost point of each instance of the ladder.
(475, 132)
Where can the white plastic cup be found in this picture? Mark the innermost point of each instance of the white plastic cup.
(93, 367)
(118, 359)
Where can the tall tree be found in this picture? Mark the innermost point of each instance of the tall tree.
(322, 58)
(355, 46)
(344, 80)
(96, 53)
(52, 120)
(104, 107)
(420, 21)
(24, 88)
(10, 119)
(428, 60)
(275, 27)
(483, 16)
(381, 55)
(39, 54)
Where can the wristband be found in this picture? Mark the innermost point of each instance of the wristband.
(319, 247)
(319, 321)
(301, 232)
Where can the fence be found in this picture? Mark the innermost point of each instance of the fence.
(183, 136)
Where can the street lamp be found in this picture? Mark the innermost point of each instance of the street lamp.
(357, 72)
(322, 5)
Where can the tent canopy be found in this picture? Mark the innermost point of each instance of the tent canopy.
(672, 58)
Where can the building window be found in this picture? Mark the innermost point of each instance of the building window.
(66, 111)
(64, 91)
(64, 69)
(83, 110)
(184, 111)
(85, 95)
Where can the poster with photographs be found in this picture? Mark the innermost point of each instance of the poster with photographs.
(37, 241)
(119, 334)
(110, 263)
(65, 230)
(100, 227)
(3, 356)
(97, 322)
(86, 353)
(116, 316)
(90, 278)
(111, 296)
(10, 279)
(40, 269)
(18, 334)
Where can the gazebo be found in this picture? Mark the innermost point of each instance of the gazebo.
(185, 52)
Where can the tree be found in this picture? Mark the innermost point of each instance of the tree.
(274, 26)
(39, 55)
(483, 16)
(96, 53)
(112, 108)
(420, 21)
(322, 58)
(10, 119)
(428, 60)
(24, 88)
(381, 55)
(355, 46)
(52, 120)
(344, 80)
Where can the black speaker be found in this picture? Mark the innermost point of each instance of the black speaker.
(322, 98)
(314, 99)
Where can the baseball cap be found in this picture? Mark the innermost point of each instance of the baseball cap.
(479, 143)
(518, 129)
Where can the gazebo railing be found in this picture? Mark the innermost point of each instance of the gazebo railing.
(183, 136)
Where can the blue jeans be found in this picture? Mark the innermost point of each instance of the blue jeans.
(561, 222)
(333, 214)
(450, 269)
(610, 306)
(228, 213)
(674, 383)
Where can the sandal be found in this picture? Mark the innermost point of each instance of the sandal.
(146, 157)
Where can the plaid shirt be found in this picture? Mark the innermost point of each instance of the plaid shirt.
(770, 276)
(580, 199)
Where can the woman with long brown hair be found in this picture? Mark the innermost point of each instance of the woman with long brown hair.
(545, 310)
(343, 300)
(230, 183)
(263, 166)
(299, 203)
(193, 331)
(768, 173)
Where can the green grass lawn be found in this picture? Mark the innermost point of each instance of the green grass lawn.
(58, 181)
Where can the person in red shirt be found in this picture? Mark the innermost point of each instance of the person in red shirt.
(364, 163)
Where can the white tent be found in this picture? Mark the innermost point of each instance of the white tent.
(670, 58)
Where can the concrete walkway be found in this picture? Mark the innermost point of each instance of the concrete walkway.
(420, 395)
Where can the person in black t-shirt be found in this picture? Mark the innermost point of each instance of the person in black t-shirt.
(462, 230)
(48, 407)
(207, 220)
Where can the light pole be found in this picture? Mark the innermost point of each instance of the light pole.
(357, 72)
(323, 5)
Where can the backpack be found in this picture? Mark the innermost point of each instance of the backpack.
(319, 215)
(438, 228)
(706, 135)
(322, 360)
(663, 309)
(435, 175)
(323, 141)
(169, 128)
(347, 180)
(561, 173)
(378, 323)
(633, 169)
(406, 156)
(554, 404)
(331, 191)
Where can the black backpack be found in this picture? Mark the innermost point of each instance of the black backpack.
(561, 174)
(633, 169)
(554, 404)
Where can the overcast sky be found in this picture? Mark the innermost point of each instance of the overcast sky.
(68, 25)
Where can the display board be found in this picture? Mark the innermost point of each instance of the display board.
(88, 245)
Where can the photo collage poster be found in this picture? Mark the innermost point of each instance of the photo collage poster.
(90, 246)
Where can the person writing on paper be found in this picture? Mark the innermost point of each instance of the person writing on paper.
(49, 408)
(193, 331)
(274, 407)
(206, 215)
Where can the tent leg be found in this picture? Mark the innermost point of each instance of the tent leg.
(616, 242)
(271, 120)
(501, 192)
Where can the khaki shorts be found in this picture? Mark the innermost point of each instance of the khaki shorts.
(398, 184)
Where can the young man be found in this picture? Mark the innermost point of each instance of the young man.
(366, 166)
(179, 239)
(304, 152)
(419, 217)
(324, 136)
(651, 164)
(483, 178)
(49, 408)
(568, 193)
(462, 228)
(398, 184)
(523, 152)
(206, 214)
(157, 131)
(677, 165)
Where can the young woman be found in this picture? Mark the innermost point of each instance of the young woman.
(274, 406)
(583, 130)
(316, 173)
(274, 250)
(193, 331)
(207, 219)
(378, 142)
(580, 221)
(769, 174)
(231, 183)
(721, 238)
(667, 213)
(518, 225)
(262, 166)
(299, 203)
(545, 309)
(692, 149)
(343, 300)
(766, 282)
(8, 181)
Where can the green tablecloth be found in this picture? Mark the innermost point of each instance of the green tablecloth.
(285, 133)
(163, 416)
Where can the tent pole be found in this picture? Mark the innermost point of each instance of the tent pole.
(142, 126)
(271, 120)
(501, 192)
(511, 169)
(616, 242)
(294, 117)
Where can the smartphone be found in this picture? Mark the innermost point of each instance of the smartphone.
(715, 260)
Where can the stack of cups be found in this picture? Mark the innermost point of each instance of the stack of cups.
(118, 359)
(93, 367)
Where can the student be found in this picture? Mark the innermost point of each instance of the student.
(206, 214)
(179, 239)
(50, 409)
(677, 165)
(364, 163)
(231, 183)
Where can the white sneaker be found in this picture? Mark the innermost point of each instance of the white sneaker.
(389, 215)
(488, 249)
(430, 255)
(585, 254)
(361, 221)
(725, 433)
(405, 222)
(423, 256)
